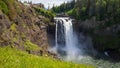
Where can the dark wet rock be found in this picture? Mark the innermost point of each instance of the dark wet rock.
(51, 29)
(113, 54)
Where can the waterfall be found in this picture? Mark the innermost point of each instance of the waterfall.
(71, 41)
(65, 39)
(67, 45)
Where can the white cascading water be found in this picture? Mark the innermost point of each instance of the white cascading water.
(67, 45)
(71, 41)
(66, 41)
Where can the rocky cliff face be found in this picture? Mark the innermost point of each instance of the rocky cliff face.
(23, 29)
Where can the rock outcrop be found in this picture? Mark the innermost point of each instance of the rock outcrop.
(23, 29)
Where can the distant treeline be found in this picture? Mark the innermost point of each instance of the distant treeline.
(64, 7)
(108, 10)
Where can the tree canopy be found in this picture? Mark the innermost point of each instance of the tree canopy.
(107, 10)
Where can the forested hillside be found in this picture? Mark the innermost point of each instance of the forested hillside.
(108, 10)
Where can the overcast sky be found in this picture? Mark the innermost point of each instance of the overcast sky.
(48, 2)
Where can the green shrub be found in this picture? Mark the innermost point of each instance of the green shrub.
(11, 6)
(46, 20)
(43, 12)
(30, 46)
(13, 27)
(4, 7)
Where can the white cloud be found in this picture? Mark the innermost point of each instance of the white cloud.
(48, 2)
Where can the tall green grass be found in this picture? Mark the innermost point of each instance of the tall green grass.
(12, 58)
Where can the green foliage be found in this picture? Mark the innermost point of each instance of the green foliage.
(30, 46)
(63, 7)
(46, 20)
(49, 14)
(13, 27)
(74, 12)
(4, 7)
(12, 58)
(11, 6)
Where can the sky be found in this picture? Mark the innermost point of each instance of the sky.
(48, 2)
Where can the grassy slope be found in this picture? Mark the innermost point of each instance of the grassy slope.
(12, 58)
